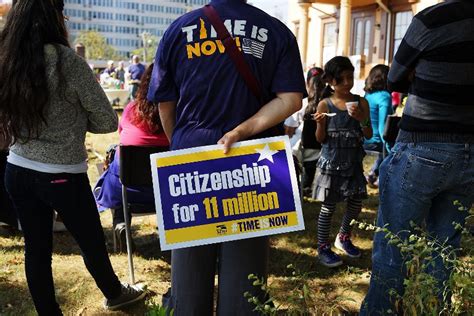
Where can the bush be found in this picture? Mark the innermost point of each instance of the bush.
(423, 295)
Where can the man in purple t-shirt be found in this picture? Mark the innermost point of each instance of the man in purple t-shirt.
(203, 100)
(135, 72)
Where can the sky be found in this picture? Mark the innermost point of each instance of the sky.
(277, 8)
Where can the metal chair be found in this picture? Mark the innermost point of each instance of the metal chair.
(135, 170)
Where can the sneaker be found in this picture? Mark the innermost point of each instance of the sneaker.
(327, 257)
(343, 242)
(130, 294)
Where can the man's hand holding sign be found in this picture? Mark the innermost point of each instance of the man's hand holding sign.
(205, 196)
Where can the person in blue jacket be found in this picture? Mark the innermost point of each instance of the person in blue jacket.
(203, 100)
(380, 104)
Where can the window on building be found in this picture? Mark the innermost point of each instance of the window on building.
(329, 41)
(401, 22)
(362, 35)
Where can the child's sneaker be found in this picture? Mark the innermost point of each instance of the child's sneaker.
(343, 242)
(130, 294)
(327, 257)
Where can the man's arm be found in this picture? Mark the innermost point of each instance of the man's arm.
(408, 54)
(168, 117)
(272, 113)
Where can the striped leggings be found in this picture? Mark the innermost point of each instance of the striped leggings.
(354, 207)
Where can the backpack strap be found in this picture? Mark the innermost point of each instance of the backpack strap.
(233, 51)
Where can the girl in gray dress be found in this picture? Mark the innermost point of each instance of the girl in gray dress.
(343, 121)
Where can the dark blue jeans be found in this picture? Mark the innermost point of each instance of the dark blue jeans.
(35, 195)
(7, 213)
(419, 183)
(193, 274)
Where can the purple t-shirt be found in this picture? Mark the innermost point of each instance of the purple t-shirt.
(192, 68)
(136, 71)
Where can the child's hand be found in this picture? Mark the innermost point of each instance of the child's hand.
(357, 113)
(319, 117)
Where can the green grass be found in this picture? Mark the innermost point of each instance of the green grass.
(334, 291)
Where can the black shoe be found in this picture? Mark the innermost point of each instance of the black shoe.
(129, 295)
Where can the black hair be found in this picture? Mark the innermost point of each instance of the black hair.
(24, 92)
(377, 79)
(333, 71)
(315, 84)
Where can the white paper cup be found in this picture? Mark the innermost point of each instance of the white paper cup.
(349, 105)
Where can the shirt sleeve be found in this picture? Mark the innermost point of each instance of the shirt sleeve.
(163, 87)
(289, 75)
(407, 56)
(101, 116)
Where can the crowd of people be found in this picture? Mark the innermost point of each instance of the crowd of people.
(124, 78)
(49, 99)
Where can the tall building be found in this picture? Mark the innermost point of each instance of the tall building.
(124, 22)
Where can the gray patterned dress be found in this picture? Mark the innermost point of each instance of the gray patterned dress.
(340, 172)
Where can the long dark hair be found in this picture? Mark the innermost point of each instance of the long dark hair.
(377, 79)
(24, 93)
(145, 113)
(315, 83)
(333, 70)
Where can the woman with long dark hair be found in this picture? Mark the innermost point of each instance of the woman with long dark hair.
(49, 99)
(140, 125)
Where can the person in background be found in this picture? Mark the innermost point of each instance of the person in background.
(343, 121)
(140, 125)
(110, 70)
(301, 128)
(430, 170)
(49, 100)
(135, 73)
(120, 72)
(380, 104)
(203, 101)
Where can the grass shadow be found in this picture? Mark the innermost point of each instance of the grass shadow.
(13, 300)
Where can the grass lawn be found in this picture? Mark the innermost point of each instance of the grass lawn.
(332, 291)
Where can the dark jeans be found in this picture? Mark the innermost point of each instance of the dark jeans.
(309, 172)
(7, 213)
(193, 272)
(35, 195)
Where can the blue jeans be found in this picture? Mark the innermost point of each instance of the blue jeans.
(35, 195)
(418, 182)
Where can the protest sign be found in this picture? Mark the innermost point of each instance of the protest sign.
(204, 196)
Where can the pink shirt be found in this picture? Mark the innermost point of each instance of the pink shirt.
(137, 136)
